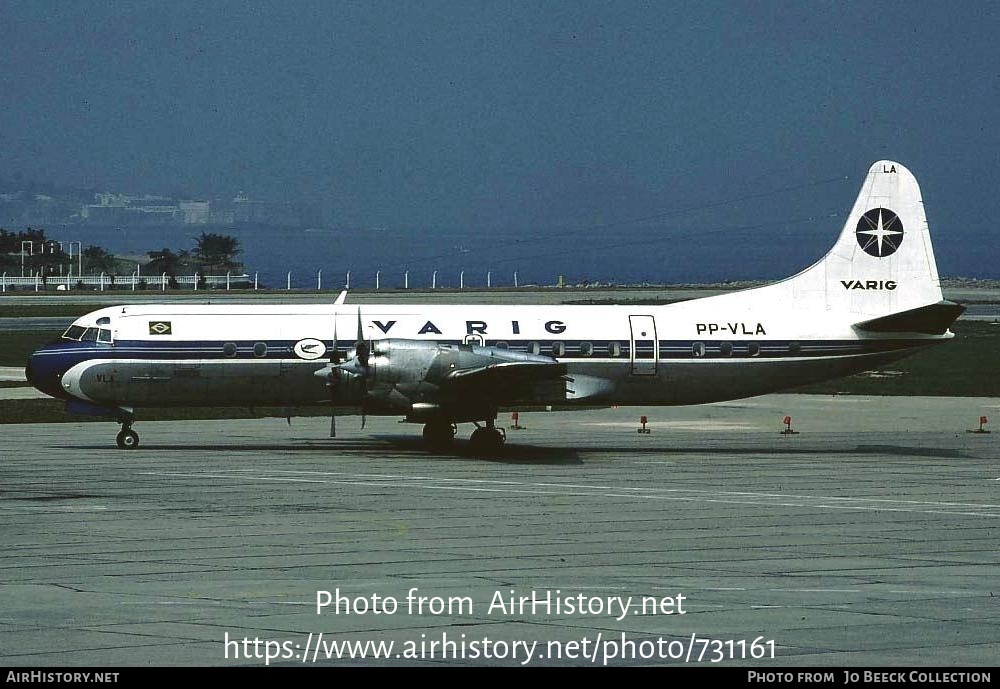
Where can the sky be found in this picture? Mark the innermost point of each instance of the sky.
(585, 117)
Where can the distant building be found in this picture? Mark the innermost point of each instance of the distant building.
(118, 209)
(196, 212)
(122, 209)
(278, 214)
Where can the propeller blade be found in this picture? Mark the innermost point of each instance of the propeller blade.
(361, 348)
(333, 378)
(364, 399)
(334, 352)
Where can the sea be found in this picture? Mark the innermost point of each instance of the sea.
(473, 257)
(639, 254)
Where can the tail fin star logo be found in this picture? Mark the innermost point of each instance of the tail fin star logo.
(880, 232)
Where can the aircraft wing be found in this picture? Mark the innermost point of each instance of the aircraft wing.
(507, 381)
(508, 371)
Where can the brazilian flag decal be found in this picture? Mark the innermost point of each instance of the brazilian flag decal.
(159, 328)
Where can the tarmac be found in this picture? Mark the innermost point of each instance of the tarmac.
(868, 538)
(12, 374)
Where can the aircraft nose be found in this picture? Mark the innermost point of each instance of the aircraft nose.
(43, 373)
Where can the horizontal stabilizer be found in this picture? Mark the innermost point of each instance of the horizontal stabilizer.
(932, 320)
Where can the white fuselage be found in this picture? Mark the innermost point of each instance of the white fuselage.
(690, 352)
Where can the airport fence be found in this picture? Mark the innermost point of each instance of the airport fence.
(135, 281)
(197, 281)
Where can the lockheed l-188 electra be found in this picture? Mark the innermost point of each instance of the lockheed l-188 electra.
(874, 298)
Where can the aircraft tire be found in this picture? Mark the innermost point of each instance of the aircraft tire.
(486, 441)
(127, 439)
(439, 435)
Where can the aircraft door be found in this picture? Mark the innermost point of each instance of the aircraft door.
(644, 348)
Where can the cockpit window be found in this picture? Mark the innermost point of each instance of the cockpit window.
(89, 335)
(104, 335)
(73, 332)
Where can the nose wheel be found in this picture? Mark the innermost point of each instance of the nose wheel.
(127, 439)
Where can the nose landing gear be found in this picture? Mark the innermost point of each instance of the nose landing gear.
(127, 439)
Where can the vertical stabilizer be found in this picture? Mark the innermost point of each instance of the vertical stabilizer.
(883, 261)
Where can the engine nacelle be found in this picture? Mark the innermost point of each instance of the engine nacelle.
(404, 362)
(402, 373)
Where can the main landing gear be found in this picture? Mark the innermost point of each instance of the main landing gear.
(439, 435)
(485, 440)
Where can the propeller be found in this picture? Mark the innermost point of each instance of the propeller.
(334, 379)
(358, 367)
(362, 352)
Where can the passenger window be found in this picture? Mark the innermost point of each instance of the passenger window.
(586, 349)
(104, 335)
(90, 335)
(726, 348)
(229, 349)
(698, 349)
(558, 348)
(753, 349)
(535, 348)
(260, 349)
(502, 345)
(615, 349)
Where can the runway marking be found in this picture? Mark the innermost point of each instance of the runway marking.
(583, 490)
(54, 508)
(632, 488)
(704, 588)
(872, 590)
(706, 425)
(818, 590)
(169, 602)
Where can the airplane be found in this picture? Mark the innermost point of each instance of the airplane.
(875, 297)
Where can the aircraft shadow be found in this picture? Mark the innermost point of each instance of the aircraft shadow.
(509, 454)
(375, 446)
